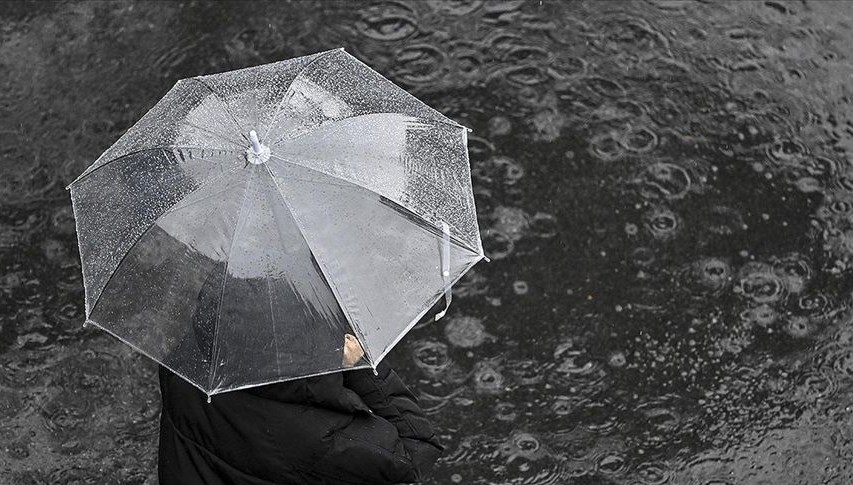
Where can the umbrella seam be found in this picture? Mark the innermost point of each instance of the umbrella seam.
(153, 223)
(470, 185)
(338, 120)
(85, 175)
(353, 323)
(211, 133)
(214, 356)
(240, 127)
(290, 86)
(453, 238)
(410, 95)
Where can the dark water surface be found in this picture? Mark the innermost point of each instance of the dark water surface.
(665, 189)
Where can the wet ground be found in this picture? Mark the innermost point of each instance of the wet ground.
(664, 187)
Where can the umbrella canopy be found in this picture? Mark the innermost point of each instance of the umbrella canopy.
(254, 217)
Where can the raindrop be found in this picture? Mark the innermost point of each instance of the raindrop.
(54, 250)
(569, 66)
(511, 221)
(505, 411)
(497, 244)
(617, 359)
(389, 21)
(527, 372)
(711, 274)
(606, 147)
(643, 256)
(479, 148)
(510, 171)
(431, 357)
(499, 126)
(575, 363)
(522, 445)
(808, 185)
(465, 332)
(794, 269)
(816, 385)
(604, 87)
(762, 315)
(816, 304)
(760, 283)
(667, 114)
(639, 140)
(18, 450)
(62, 220)
(563, 405)
(488, 379)
(419, 64)
(543, 225)
(798, 327)
(841, 362)
(523, 75)
(525, 54)
(664, 180)
(472, 284)
(611, 464)
(455, 7)
(661, 418)
(786, 151)
(500, 13)
(652, 474)
(723, 220)
(823, 168)
(662, 223)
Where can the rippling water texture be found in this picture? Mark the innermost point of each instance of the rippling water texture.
(664, 187)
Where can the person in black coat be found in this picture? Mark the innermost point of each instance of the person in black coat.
(350, 427)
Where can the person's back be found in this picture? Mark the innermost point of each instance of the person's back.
(350, 427)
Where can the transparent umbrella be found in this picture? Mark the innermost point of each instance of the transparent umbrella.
(254, 217)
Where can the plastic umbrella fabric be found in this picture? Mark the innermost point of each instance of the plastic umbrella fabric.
(252, 218)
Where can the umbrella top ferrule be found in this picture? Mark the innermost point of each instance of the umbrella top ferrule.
(256, 144)
(257, 152)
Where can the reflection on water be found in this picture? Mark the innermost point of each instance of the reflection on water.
(664, 188)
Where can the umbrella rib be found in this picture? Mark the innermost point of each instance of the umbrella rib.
(240, 128)
(389, 202)
(136, 152)
(213, 351)
(154, 223)
(427, 309)
(362, 340)
(272, 321)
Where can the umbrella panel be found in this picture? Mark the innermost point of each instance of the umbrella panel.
(419, 164)
(232, 299)
(383, 261)
(130, 193)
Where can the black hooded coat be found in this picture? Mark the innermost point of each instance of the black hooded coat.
(350, 427)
